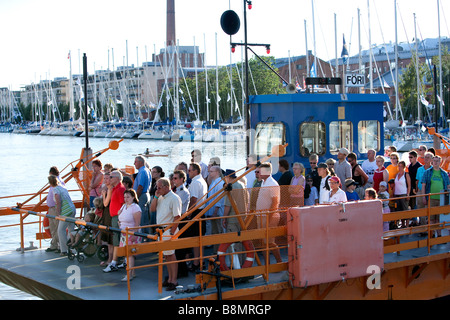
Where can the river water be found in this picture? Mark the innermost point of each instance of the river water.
(27, 159)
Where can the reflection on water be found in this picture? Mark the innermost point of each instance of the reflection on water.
(27, 159)
(9, 293)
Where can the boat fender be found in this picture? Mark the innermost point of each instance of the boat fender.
(46, 224)
(250, 257)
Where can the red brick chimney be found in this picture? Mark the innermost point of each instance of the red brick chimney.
(171, 38)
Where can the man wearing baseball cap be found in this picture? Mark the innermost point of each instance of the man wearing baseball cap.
(342, 167)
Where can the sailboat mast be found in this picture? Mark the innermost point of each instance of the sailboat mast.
(206, 79)
(72, 108)
(314, 36)
(440, 62)
(289, 60)
(217, 82)
(196, 78)
(177, 84)
(370, 48)
(419, 115)
(397, 99)
(307, 52)
(336, 51)
(359, 44)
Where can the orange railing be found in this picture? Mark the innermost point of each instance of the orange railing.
(429, 228)
(41, 207)
(78, 170)
(252, 229)
(260, 238)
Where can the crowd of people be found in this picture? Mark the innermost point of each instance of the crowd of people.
(148, 197)
(344, 180)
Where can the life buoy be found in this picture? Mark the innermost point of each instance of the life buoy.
(46, 224)
(248, 245)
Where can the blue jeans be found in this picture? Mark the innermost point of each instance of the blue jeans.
(144, 204)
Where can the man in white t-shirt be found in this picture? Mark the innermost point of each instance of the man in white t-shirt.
(324, 190)
(197, 189)
(369, 166)
(168, 210)
(269, 200)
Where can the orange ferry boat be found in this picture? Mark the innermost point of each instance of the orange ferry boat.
(332, 252)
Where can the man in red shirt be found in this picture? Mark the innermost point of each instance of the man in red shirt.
(117, 199)
(115, 204)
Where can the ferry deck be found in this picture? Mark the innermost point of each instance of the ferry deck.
(414, 267)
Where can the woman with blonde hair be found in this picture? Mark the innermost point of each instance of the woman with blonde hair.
(393, 167)
(297, 185)
(380, 174)
(64, 207)
(330, 163)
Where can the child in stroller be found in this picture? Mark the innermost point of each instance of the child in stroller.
(83, 241)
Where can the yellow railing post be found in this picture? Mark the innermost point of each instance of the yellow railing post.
(160, 265)
(429, 223)
(127, 256)
(267, 247)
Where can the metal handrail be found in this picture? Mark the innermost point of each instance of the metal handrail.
(266, 232)
(143, 248)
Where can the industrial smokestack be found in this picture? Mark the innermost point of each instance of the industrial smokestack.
(171, 38)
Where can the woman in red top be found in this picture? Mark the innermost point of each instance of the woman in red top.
(381, 174)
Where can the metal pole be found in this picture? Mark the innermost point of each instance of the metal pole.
(440, 67)
(247, 99)
(397, 97)
(436, 141)
(86, 123)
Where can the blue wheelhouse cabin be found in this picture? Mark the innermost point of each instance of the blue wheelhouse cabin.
(317, 123)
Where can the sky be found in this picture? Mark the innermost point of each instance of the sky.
(37, 36)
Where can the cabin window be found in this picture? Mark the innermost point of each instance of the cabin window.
(267, 136)
(312, 138)
(368, 136)
(341, 136)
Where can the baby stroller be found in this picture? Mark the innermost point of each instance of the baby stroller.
(86, 245)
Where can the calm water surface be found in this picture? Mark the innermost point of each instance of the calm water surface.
(27, 159)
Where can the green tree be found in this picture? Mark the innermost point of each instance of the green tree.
(408, 89)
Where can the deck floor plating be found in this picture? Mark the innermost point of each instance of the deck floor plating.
(50, 276)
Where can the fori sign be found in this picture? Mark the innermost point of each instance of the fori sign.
(355, 80)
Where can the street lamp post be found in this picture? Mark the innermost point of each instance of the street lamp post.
(230, 24)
